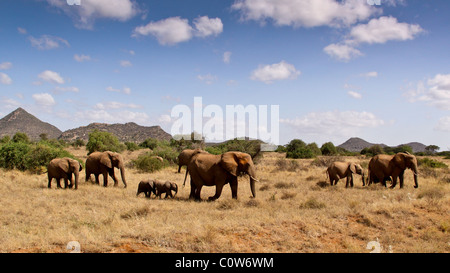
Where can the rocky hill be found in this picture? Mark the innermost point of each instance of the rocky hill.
(22, 121)
(128, 132)
(356, 144)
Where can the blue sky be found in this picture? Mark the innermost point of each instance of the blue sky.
(337, 69)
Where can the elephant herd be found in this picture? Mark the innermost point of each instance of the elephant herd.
(382, 168)
(207, 169)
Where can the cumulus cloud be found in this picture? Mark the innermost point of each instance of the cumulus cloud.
(85, 14)
(342, 52)
(227, 57)
(443, 124)
(47, 42)
(125, 63)
(208, 78)
(275, 72)
(376, 31)
(44, 99)
(5, 79)
(116, 105)
(125, 90)
(174, 30)
(51, 76)
(354, 94)
(111, 116)
(305, 13)
(436, 92)
(334, 123)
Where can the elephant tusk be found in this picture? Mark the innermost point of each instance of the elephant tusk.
(253, 178)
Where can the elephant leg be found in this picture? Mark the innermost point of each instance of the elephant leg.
(193, 190)
(97, 180)
(347, 182)
(394, 181)
(105, 179)
(49, 182)
(234, 188)
(113, 176)
(401, 177)
(197, 193)
(66, 183)
(219, 188)
(179, 168)
(58, 182)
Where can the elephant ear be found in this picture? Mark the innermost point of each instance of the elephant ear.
(399, 161)
(229, 162)
(64, 165)
(105, 159)
(352, 167)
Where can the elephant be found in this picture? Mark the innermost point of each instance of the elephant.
(382, 166)
(63, 168)
(147, 187)
(185, 156)
(339, 170)
(217, 170)
(165, 187)
(104, 163)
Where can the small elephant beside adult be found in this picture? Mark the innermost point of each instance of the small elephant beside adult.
(338, 170)
(157, 187)
(146, 187)
(64, 168)
(382, 166)
(104, 163)
(217, 170)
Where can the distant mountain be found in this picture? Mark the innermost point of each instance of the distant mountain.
(356, 144)
(22, 121)
(128, 132)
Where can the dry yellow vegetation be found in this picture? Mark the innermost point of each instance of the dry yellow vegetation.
(295, 211)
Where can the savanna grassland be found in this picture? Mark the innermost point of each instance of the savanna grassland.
(295, 211)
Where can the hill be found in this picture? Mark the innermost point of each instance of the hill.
(356, 144)
(128, 132)
(22, 121)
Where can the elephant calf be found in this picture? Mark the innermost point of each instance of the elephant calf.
(165, 187)
(339, 170)
(64, 168)
(146, 187)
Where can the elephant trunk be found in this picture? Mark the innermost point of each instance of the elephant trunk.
(363, 178)
(77, 175)
(252, 174)
(175, 188)
(122, 173)
(416, 173)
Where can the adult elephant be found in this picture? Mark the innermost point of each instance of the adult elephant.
(339, 170)
(218, 170)
(382, 166)
(104, 163)
(63, 168)
(185, 156)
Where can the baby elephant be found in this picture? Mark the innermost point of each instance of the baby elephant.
(338, 170)
(165, 187)
(147, 187)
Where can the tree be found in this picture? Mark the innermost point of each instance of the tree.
(298, 149)
(328, 148)
(20, 137)
(432, 149)
(103, 141)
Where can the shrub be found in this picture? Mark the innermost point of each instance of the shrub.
(21, 137)
(328, 148)
(131, 146)
(103, 141)
(148, 163)
(150, 143)
(14, 155)
(167, 152)
(298, 149)
(432, 163)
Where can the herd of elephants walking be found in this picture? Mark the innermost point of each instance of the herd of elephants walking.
(207, 169)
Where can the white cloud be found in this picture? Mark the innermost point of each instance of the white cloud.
(47, 42)
(5, 79)
(354, 94)
(306, 13)
(342, 52)
(81, 58)
(384, 29)
(116, 105)
(5, 65)
(443, 124)
(208, 78)
(436, 92)
(274, 72)
(208, 26)
(174, 30)
(334, 123)
(125, 63)
(378, 30)
(112, 117)
(44, 99)
(125, 90)
(22, 30)
(372, 74)
(51, 76)
(168, 31)
(90, 10)
(60, 89)
(227, 57)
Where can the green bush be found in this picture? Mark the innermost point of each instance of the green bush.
(432, 163)
(148, 163)
(251, 147)
(150, 143)
(298, 149)
(14, 155)
(131, 146)
(21, 137)
(167, 153)
(328, 148)
(103, 141)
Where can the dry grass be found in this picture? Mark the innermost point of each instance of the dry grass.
(295, 211)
